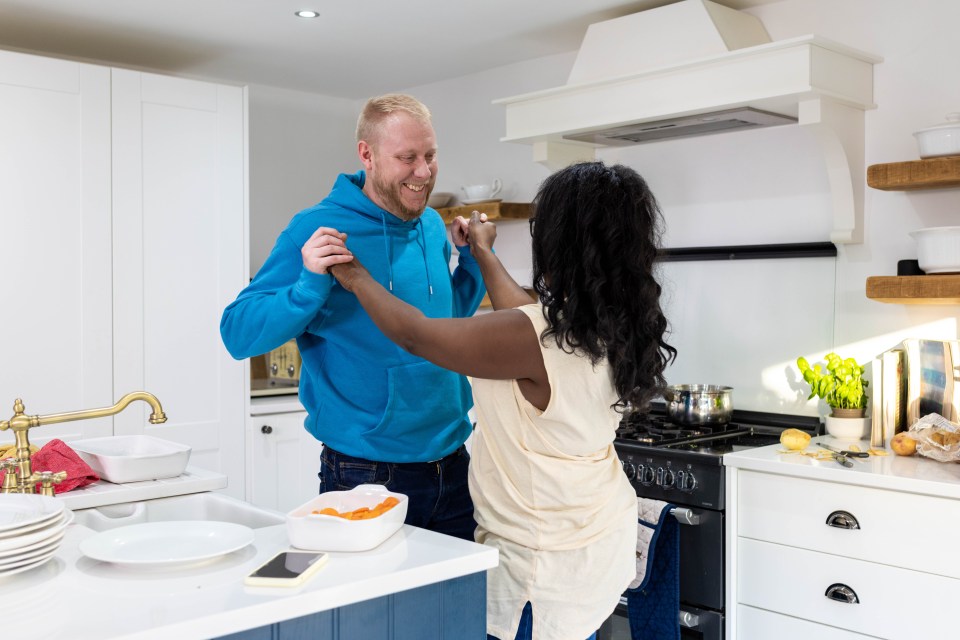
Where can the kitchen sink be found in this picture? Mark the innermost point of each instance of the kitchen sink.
(195, 506)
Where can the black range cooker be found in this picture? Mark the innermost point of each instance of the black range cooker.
(683, 465)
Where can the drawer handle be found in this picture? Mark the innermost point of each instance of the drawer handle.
(842, 593)
(842, 520)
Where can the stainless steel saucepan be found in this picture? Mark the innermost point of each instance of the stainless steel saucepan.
(699, 404)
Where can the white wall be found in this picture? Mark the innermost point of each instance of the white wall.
(299, 143)
(737, 188)
(767, 186)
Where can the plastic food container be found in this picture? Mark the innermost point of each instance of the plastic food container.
(318, 532)
(938, 249)
(941, 139)
(123, 459)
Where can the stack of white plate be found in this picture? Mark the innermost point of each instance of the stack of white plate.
(31, 530)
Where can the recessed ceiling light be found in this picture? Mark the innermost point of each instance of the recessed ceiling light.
(307, 14)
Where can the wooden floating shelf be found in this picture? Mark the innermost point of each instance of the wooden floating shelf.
(494, 210)
(930, 173)
(928, 289)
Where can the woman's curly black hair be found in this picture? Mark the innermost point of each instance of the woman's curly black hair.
(596, 231)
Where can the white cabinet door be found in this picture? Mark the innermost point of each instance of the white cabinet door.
(284, 461)
(753, 624)
(178, 243)
(55, 251)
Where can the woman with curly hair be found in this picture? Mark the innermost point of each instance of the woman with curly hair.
(550, 379)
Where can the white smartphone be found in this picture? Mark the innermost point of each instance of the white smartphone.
(287, 569)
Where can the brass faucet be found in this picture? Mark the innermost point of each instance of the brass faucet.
(20, 477)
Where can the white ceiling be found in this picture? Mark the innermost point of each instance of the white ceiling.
(356, 48)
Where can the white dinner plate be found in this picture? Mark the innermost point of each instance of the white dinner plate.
(20, 562)
(64, 516)
(481, 200)
(54, 537)
(167, 542)
(26, 567)
(20, 542)
(34, 551)
(24, 509)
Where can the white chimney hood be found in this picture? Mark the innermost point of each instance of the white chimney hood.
(634, 81)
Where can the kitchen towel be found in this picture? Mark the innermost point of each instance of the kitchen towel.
(56, 456)
(653, 598)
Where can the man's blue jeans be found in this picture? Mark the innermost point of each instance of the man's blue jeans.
(525, 630)
(439, 499)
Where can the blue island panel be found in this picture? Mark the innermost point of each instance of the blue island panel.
(451, 610)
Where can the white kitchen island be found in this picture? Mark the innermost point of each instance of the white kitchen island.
(819, 550)
(417, 584)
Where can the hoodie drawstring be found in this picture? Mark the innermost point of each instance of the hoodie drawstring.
(388, 248)
(423, 250)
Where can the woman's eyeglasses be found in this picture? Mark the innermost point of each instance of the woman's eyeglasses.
(532, 222)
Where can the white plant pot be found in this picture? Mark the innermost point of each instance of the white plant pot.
(848, 428)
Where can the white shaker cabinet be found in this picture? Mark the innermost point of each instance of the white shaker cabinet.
(828, 552)
(284, 458)
(55, 244)
(122, 222)
(178, 243)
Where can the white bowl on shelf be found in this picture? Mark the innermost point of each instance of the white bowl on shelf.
(439, 199)
(319, 532)
(938, 249)
(940, 140)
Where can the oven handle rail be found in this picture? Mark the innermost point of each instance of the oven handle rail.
(685, 516)
(689, 620)
(685, 618)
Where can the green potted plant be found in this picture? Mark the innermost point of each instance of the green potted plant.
(839, 382)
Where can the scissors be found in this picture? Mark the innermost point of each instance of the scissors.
(845, 453)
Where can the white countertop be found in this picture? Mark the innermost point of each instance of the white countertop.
(913, 474)
(75, 597)
(287, 403)
(100, 493)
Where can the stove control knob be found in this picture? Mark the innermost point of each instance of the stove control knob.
(629, 469)
(665, 477)
(686, 482)
(646, 474)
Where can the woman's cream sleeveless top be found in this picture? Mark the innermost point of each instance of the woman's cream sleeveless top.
(550, 494)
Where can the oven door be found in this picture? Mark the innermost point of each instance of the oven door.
(695, 624)
(701, 557)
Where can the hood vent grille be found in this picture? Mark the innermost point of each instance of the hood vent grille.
(696, 125)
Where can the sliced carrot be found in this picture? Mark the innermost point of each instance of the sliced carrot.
(362, 513)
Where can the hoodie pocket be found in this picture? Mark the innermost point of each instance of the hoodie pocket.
(422, 400)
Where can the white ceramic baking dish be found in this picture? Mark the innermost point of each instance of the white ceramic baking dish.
(317, 532)
(938, 249)
(122, 459)
(940, 140)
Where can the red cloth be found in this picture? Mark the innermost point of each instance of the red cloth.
(56, 456)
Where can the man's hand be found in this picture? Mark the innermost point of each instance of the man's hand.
(324, 249)
(460, 229)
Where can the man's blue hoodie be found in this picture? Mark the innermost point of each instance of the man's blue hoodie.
(364, 395)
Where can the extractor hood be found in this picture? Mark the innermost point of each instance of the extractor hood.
(695, 68)
(701, 124)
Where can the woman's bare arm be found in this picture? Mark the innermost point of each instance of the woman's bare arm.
(501, 345)
(503, 290)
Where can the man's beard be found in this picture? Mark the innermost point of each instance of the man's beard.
(389, 195)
